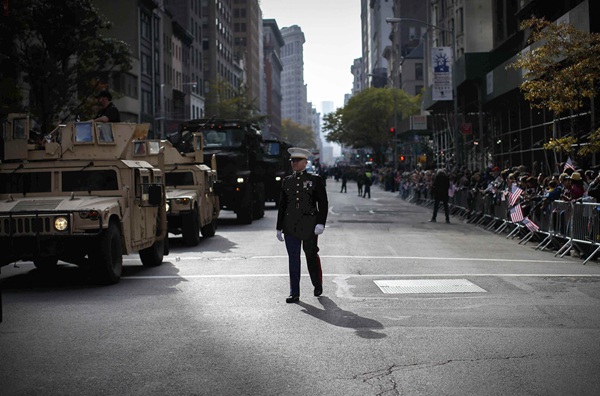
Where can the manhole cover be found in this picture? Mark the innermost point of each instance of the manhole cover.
(415, 286)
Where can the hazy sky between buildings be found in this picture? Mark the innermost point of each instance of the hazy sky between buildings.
(332, 32)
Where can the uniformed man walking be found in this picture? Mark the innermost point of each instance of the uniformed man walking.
(301, 218)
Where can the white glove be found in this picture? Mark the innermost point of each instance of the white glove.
(280, 235)
(319, 228)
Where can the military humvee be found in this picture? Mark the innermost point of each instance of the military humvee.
(84, 194)
(192, 202)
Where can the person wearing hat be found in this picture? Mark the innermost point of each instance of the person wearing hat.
(576, 189)
(301, 219)
(108, 111)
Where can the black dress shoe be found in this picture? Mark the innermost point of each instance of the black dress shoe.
(318, 291)
(292, 299)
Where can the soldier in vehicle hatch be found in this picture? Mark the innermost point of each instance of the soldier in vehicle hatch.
(301, 219)
(108, 111)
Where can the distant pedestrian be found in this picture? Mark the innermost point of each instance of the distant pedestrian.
(359, 183)
(344, 182)
(440, 186)
(368, 180)
(300, 220)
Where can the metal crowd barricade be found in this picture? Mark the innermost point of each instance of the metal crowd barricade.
(561, 225)
(586, 227)
(559, 229)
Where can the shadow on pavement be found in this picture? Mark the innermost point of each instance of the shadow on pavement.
(334, 315)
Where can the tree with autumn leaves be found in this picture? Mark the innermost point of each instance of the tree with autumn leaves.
(561, 74)
(59, 53)
(366, 119)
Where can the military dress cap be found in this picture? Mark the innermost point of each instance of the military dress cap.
(297, 152)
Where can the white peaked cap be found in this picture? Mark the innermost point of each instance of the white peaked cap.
(297, 152)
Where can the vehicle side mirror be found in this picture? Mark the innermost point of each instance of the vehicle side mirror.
(155, 194)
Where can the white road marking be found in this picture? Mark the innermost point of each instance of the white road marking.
(224, 258)
(345, 276)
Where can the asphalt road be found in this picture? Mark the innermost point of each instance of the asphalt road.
(212, 320)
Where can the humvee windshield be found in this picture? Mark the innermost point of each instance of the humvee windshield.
(223, 138)
(22, 183)
(272, 149)
(89, 180)
(179, 179)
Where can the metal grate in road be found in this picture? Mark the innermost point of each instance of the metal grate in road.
(428, 286)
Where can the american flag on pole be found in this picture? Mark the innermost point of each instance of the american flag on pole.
(515, 193)
(516, 214)
(530, 225)
(569, 165)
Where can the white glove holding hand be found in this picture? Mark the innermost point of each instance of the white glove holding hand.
(319, 228)
(280, 235)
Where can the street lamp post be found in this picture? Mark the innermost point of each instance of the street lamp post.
(456, 134)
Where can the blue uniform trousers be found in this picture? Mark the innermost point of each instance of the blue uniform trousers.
(313, 261)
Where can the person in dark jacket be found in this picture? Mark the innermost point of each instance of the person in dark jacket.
(439, 187)
(301, 218)
(108, 111)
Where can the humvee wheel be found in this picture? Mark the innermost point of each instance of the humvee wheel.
(45, 263)
(190, 228)
(107, 257)
(209, 229)
(153, 256)
(244, 216)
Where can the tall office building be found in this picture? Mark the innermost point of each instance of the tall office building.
(272, 45)
(219, 62)
(375, 38)
(247, 30)
(188, 90)
(293, 89)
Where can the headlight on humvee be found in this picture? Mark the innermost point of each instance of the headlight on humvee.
(61, 223)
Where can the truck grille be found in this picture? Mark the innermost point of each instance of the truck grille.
(16, 226)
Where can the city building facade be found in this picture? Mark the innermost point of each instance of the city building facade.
(294, 96)
(273, 67)
(248, 45)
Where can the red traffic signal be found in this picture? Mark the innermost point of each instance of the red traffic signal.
(401, 158)
(393, 130)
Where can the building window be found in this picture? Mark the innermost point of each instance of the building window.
(146, 64)
(146, 102)
(145, 26)
(418, 71)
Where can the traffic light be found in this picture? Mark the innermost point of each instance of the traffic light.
(392, 131)
(401, 158)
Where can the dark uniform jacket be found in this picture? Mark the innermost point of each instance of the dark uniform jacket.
(111, 112)
(302, 205)
(441, 183)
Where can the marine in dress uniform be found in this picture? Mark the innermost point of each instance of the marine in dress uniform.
(301, 219)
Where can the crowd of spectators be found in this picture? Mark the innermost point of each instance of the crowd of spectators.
(539, 189)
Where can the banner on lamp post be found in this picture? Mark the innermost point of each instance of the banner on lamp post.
(441, 62)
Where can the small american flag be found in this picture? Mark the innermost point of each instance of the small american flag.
(569, 165)
(530, 225)
(516, 214)
(515, 193)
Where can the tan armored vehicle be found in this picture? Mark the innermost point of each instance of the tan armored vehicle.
(85, 194)
(192, 203)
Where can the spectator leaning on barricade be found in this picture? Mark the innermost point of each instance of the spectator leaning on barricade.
(588, 177)
(577, 190)
(594, 189)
